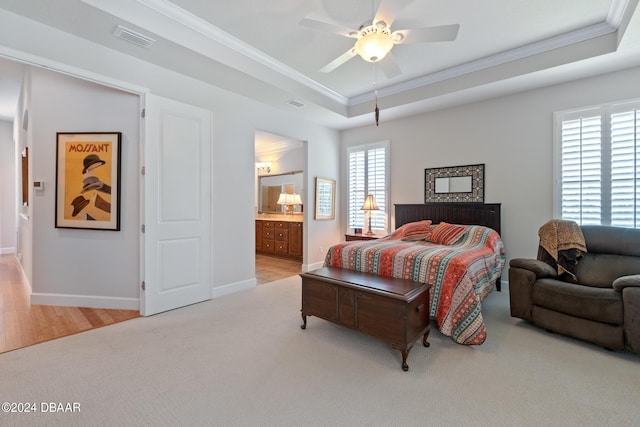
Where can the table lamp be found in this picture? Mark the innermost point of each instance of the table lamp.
(289, 200)
(369, 205)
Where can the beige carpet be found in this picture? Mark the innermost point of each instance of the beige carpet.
(242, 360)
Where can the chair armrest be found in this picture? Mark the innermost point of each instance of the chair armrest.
(626, 281)
(540, 268)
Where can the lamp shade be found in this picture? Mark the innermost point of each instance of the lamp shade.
(289, 199)
(369, 204)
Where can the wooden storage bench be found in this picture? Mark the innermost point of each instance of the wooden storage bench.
(393, 310)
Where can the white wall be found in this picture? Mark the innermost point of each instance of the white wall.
(8, 197)
(234, 181)
(512, 136)
(235, 120)
(78, 266)
(291, 160)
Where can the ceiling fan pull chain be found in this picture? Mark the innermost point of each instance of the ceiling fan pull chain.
(375, 91)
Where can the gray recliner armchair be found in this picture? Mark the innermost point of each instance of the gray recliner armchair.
(603, 307)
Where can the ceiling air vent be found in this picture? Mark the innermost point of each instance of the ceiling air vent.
(133, 37)
(295, 103)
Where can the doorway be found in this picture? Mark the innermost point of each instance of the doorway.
(279, 206)
(56, 305)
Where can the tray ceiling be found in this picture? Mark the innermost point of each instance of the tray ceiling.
(259, 49)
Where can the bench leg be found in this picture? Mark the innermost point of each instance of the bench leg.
(405, 354)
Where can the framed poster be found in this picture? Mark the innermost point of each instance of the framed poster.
(325, 198)
(88, 180)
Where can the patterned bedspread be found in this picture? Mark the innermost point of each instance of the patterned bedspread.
(461, 274)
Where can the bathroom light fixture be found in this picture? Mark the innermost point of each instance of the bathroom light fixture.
(263, 167)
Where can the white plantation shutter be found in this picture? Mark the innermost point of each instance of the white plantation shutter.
(376, 185)
(581, 174)
(600, 166)
(368, 173)
(625, 170)
(356, 188)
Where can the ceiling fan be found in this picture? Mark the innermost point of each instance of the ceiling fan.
(375, 41)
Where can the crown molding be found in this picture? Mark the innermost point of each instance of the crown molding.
(212, 32)
(619, 11)
(542, 46)
(170, 10)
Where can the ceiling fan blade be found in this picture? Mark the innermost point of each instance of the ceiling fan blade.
(338, 61)
(328, 27)
(388, 10)
(390, 67)
(443, 33)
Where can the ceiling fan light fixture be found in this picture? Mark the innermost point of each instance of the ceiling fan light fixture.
(380, 25)
(374, 43)
(397, 36)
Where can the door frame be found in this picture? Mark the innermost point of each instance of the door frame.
(139, 91)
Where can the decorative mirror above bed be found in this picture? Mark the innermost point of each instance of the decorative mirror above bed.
(454, 184)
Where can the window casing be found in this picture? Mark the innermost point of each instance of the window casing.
(368, 173)
(598, 165)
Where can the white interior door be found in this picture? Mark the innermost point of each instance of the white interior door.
(177, 205)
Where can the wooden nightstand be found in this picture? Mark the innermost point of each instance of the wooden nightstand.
(349, 237)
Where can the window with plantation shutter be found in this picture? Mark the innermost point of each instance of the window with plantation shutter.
(368, 173)
(599, 165)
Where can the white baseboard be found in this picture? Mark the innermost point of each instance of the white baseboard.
(7, 251)
(86, 301)
(233, 288)
(311, 267)
(25, 279)
(123, 303)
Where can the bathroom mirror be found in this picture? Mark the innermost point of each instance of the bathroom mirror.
(270, 187)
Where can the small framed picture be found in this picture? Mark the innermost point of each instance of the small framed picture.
(325, 198)
(88, 180)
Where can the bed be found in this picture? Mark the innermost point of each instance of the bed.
(455, 248)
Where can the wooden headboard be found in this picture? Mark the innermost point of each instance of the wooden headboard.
(486, 214)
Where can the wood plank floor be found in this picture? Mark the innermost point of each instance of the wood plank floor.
(271, 268)
(22, 324)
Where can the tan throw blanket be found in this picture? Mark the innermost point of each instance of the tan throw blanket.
(561, 246)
